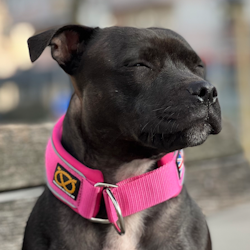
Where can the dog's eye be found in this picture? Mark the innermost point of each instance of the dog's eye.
(140, 65)
(200, 66)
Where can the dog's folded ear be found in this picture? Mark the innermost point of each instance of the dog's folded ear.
(67, 45)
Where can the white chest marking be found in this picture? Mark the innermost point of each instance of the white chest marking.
(134, 223)
(133, 168)
(134, 228)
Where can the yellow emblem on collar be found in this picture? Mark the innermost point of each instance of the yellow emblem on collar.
(68, 185)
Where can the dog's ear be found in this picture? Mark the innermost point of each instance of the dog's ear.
(67, 45)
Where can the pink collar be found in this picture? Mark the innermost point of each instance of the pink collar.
(81, 188)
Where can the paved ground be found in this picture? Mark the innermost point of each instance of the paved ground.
(230, 228)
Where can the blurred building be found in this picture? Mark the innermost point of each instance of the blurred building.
(37, 92)
(30, 93)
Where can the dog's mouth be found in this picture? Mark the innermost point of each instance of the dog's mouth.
(177, 134)
(193, 136)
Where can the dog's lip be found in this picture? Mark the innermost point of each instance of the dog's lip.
(166, 133)
(209, 116)
(167, 128)
(201, 125)
(215, 123)
(216, 130)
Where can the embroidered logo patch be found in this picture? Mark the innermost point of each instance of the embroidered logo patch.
(67, 182)
(180, 162)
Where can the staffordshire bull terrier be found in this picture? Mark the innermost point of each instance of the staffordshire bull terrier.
(139, 94)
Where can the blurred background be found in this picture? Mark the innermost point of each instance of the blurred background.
(35, 95)
(217, 30)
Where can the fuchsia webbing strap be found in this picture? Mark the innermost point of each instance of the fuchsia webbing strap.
(76, 185)
(144, 191)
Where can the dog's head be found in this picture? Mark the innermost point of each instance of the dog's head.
(146, 86)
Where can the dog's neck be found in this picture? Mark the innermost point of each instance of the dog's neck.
(117, 160)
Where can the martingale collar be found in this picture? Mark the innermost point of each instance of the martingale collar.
(81, 188)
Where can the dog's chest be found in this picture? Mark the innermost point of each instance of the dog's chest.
(134, 224)
(128, 241)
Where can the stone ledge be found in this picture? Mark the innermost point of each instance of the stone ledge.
(219, 183)
(22, 153)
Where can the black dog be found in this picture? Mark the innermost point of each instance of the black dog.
(139, 94)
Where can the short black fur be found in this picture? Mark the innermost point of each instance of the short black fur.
(139, 93)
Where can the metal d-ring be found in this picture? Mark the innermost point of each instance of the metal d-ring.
(105, 185)
(120, 222)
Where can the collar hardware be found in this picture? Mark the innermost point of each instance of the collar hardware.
(104, 185)
(119, 224)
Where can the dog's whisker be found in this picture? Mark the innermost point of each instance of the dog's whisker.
(171, 115)
(166, 108)
(145, 126)
(173, 126)
(157, 109)
(157, 125)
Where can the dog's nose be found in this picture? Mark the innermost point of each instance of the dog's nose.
(204, 91)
